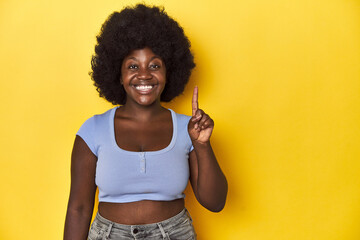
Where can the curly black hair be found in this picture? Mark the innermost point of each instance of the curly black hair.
(136, 28)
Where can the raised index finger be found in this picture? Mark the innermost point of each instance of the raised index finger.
(195, 104)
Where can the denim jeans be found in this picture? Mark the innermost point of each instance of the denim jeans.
(177, 227)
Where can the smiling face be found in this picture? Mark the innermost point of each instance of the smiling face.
(143, 75)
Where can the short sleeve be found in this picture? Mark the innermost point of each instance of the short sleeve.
(87, 132)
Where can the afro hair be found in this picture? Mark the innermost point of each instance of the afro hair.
(136, 28)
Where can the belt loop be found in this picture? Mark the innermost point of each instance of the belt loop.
(165, 236)
(108, 231)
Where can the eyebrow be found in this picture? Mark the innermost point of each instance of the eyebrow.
(134, 58)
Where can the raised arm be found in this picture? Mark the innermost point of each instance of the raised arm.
(82, 192)
(207, 180)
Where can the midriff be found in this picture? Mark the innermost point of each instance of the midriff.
(141, 212)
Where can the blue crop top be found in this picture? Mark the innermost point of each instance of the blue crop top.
(126, 176)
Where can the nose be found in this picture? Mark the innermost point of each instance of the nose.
(144, 74)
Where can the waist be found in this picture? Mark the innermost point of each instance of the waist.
(174, 219)
(140, 212)
(176, 227)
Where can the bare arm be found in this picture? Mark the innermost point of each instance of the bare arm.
(82, 192)
(207, 180)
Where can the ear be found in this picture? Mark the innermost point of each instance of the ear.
(121, 81)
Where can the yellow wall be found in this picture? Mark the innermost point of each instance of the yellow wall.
(280, 78)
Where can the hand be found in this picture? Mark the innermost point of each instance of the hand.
(200, 125)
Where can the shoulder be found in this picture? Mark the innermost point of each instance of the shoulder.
(182, 125)
(99, 118)
(182, 117)
(182, 120)
(97, 121)
(93, 128)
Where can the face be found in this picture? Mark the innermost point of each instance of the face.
(143, 75)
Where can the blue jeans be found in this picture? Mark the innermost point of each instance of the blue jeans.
(177, 227)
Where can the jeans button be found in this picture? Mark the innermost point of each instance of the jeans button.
(135, 231)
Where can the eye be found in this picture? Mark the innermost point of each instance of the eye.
(132, 66)
(154, 66)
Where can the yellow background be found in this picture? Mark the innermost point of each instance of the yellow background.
(280, 78)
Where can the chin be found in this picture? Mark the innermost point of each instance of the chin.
(147, 102)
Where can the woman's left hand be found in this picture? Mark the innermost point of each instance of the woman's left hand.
(200, 125)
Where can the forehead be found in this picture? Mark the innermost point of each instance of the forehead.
(142, 54)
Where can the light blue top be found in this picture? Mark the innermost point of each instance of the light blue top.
(127, 176)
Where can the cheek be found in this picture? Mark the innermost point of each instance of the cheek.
(126, 77)
(162, 76)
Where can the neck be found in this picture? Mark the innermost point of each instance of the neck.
(142, 113)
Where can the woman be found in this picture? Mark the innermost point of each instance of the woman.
(141, 155)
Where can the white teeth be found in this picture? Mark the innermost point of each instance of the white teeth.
(143, 87)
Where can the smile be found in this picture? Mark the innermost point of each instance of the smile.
(143, 87)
